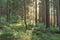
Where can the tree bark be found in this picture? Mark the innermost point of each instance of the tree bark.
(58, 14)
(25, 24)
(0, 15)
(36, 13)
(8, 11)
(47, 14)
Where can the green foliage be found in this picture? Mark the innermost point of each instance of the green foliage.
(20, 35)
(14, 18)
(46, 36)
(7, 33)
(41, 27)
(30, 26)
(54, 28)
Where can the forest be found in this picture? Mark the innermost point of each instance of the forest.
(29, 20)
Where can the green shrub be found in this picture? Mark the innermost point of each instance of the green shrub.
(54, 28)
(7, 33)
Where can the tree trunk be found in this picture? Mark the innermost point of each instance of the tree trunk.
(0, 19)
(8, 11)
(58, 14)
(47, 14)
(0, 15)
(36, 13)
(25, 24)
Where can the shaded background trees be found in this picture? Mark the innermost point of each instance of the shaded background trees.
(32, 12)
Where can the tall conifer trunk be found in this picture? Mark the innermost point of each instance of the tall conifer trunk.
(47, 14)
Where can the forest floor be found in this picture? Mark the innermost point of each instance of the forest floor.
(46, 36)
(20, 35)
(16, 30)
